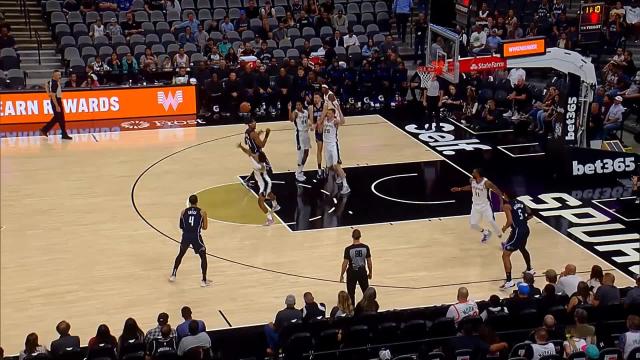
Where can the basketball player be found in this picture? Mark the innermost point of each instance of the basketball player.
(259, 164)
(316, 110)
(330, 124)
(331, 102)
(517, 214)
(192, 221)
(300, 118)
(254, 143)
(355, 257)
(481, 207)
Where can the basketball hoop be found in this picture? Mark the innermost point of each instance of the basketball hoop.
(428, 73)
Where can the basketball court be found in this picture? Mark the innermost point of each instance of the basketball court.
(89, 228)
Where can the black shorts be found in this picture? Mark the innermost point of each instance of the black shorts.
(319, 136)
(194, 241)
(517, 239)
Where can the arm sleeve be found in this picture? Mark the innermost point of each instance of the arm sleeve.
(346, 254)
(368, 251)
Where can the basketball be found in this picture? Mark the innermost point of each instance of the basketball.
(245, 107)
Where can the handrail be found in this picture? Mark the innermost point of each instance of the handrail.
(24, 9)
(39, 44)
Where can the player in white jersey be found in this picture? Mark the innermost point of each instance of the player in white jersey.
(330, 124)
(331, 102)
(481, 206)
(300, 119)
(259, 165)
(316, 109)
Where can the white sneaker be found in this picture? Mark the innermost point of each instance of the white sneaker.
(507, 285)
(269, 222)
(339, 180)
(638, 200)
(532, 272)
(300, 177)
(276, 208)
(486, 235)
(205, 283)
(172, 278)
(507, 114)
(345, 190)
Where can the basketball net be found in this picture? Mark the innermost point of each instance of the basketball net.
(428, 73)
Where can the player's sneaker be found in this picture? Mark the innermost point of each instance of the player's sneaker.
(486, 235)
(345, 190)
(300, 177)
(532, 272)
(507, 114)
(339, 180)
(276, 207)
(269, 222)
(172, 278)
(205, 283)
(507, 285)
(638, 200)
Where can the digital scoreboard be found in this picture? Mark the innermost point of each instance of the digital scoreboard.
(591, 20)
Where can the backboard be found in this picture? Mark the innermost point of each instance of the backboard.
(443, 47)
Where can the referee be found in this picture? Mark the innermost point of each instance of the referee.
(54, 91)
(432, 102)
(355, 256)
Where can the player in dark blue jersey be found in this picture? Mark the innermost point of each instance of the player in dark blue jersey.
(192, 221)
(517, 214)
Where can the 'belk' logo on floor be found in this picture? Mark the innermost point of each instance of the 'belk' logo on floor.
(170, 100)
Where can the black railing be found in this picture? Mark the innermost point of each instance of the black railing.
(39, 45)
(24, 10)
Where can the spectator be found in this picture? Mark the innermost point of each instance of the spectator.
(241, 23)
(493, 41)
(296, 8)
(542, 346)
(554, 330)
(613, 31)
(130, 68)
(68, 5)
(311, 309)
(149, 63)
(163, 343)
(284, 317)
(231, 58)
(131, 335)
(629, 68)
(92, 78)
(103, 337)
(114, 65)
(564, 42)
(191, 22)
(490, 118)
(65, 340)
(483, 15)
(595, 278)
(344, 308)
(401, 10)
(114, 28)
(124, 5)
(196, 338)
(181, 77)
(32, 347)
(183, 330)
(522, 300)
(186, 37)
(529, 279)
(181, 59)
(581, 328)
(520, 98)
(267, 11)
(495, 307)
(368, 303)
(87, 6)
(469, 339)
(613, 119)
(251, 10)
(154, 5)
(516, 31)
(607, 294)
(388, 46)
(594, 131)
(539, 108)
(156, 332)
(213, 89)
(280, 33)
(72, 82)
(573, 343)
(224, 45)
(311, 8)
(226, 26)
(477, 40)
(167, 65)
(549, 298)
(471, 107)
(248, 50)
(463, 307)
(97, 29)
(630, 339)
(327, 7)
(131, 26)
(289, 21)
(304, 21)
(201, 38)
(582, 296)
(336, 40)
(321, 21)
(338, 20)
(568, 281)
(552, 278)
(633, 20)
(633, 296)
(452, 101)
(215, 57)
(107, 5)
(420, 29)
(263, 54)
(174, 5)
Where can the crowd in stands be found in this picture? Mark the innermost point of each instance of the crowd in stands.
(565, 303)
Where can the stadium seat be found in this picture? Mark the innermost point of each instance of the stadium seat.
(219, 4)
(341, 53)
(464, 354)
(352, 20)
(339, 8)
(273, 24)
(9, 59)
(326, 32)
(157, 49)
(234, 14)
(611, 354)
(71, 53)
(501, 321)
(203, 4)
(383, 21)
(53, 6)
(173, 15)
(236, 45)
(87, 53)
(156, 16)
(353, 9)
(187, 4)
(72, 353)
(233, 36)
(578, 355)
(57, 18)
(138, 51)
(141, 16)
(293, 54)
(74, 17)
(15, 78)
(197, 58)
(278, 55)
(219, 14)
(280, 12)
(386, 332)
(190, 49)
(435, 355)
(294, 34)
(122, 51)
(107, 16)
(148, 28)
(216, 36)
(118, 40)
(271, 45)
(255, 25)
(377, 38)
(284, 45)
(358, 30)
(204, 14)
(298, 44)
(327, 340)
(248, 35)
(80, 30)
(62, 30)
(366, 19)
(308, 33)
(186, 13)
(298, 345)
(235, 4)
(91, 17)
(65, 42)
(168, 39)
(315, 43)
(172, 50)
(99, 41)
(162, 28)
(520, 350)
(135, 40)
(381, 6)
(105, 52)
(83, 42)
(366, 7)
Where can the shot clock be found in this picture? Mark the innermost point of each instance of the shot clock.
(591, 19)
